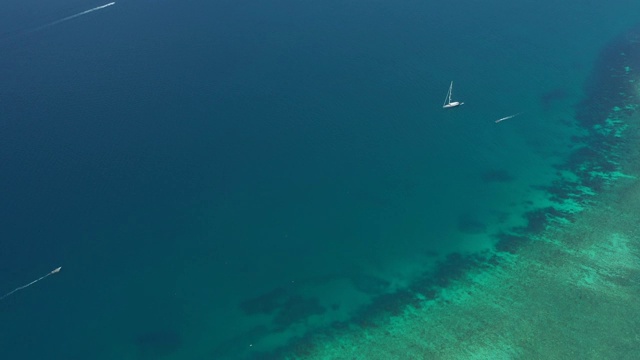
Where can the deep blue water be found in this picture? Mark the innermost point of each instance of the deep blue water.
(180, 160)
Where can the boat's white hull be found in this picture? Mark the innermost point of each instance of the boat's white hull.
(452, 105)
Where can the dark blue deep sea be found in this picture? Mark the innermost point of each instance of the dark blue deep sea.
(219, 178)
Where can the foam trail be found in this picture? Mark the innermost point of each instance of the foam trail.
(72, 16)
(507, 117)
(54, 271)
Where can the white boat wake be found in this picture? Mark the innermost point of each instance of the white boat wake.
(507, 117)
(72, 17)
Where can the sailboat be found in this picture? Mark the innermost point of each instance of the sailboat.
(447, 101)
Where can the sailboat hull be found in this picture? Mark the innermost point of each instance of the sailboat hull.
(452, 104)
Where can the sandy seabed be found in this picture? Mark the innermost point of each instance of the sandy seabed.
(572, 293)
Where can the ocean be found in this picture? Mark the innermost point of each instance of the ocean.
(230, 179)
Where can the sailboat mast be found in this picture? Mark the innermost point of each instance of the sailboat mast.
(447, 99)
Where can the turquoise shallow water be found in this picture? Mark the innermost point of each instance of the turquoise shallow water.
(214, 176)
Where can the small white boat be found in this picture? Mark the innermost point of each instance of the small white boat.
(447, 101)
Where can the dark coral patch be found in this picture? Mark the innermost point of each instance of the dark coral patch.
(454, 267)
(158, 343)
(468, 224)
(537, 220)
(287, 308)
(608, 86)
(266, 303)
(382, 306)
(509, 243)
(548, 98)
(496, 176)
(297, 309)
(369, 284)
(558, 191)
